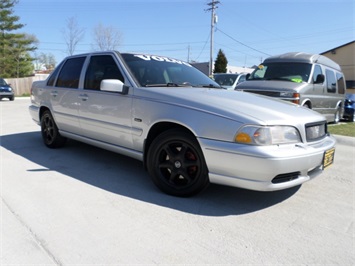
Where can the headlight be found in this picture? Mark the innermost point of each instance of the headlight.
(288, 94)
(268, 135)
(316, 131)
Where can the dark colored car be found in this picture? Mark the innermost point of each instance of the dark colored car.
(6, 91)
(349, 107)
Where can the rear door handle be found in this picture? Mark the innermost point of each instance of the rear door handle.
(54, 93)
(83, 97)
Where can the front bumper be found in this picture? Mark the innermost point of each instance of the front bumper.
(349, 111)
(9, 95)
(257, 167)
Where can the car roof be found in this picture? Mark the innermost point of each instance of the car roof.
(301, 57)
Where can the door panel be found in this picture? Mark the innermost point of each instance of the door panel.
(106, 117)
(64, 96)
(65, 106)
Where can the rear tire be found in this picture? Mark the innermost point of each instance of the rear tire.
(50, 134)
(176, 164)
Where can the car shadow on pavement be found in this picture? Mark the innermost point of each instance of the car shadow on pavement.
(126, 176)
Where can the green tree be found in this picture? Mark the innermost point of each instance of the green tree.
(15, 48)
(220, 65)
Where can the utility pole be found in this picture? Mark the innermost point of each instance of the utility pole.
(188, 54)
(213, 7)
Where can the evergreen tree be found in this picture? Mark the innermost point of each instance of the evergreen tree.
(15, 48)
(220, 65)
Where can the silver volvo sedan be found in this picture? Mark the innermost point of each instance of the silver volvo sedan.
(185, 128)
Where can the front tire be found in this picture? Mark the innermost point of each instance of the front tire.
(50, 134)
(337, 116)
(176, 164)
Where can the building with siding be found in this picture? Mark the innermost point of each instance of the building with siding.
(344, 55)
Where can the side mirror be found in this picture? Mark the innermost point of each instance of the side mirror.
(247, 76)
(114, 85)
(320, 79)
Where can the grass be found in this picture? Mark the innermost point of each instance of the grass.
(343, 128)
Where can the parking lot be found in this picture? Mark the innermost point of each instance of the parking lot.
(83, 205)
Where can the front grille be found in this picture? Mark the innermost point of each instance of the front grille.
(316, 131)
(266, 93)
(285, 177)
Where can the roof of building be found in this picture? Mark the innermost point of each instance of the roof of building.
(338, 47)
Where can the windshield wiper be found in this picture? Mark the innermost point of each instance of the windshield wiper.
(169, 84)
(210, 86)
(185, 84)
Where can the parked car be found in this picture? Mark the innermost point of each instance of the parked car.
(185, 129)
(228, 80)
(6, 91)
(309, 80)
(349, 107)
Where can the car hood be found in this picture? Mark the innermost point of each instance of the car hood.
(234, 105)
(270, 85)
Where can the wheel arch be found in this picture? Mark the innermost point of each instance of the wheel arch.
(307, 103)
(156, 130)
(42, 109)
(339, 112)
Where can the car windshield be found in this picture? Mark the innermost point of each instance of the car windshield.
(2, 82)
(225, 79)
(350, 97)
(294, 72)
(157, 71)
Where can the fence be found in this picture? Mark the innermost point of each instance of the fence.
(22, 86)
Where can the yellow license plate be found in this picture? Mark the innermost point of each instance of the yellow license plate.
(328, 158)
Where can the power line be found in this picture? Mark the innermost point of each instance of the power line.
(203, 48)
(242, 43)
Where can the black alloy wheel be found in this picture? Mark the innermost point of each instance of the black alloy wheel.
(50, 133)
(176, 164)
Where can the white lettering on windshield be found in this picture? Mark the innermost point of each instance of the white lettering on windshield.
(161, 59)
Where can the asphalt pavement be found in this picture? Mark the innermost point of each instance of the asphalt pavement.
(80, 205)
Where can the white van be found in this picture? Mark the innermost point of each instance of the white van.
(309, 80)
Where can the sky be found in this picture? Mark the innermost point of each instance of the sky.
(247, 31)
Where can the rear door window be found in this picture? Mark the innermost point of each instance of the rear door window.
(69, 75)
(331, 81)
(53, 76)
(340, 83)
